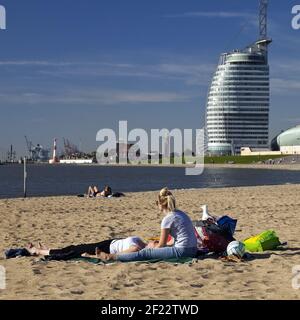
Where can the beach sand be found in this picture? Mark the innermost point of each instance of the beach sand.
(60, 221)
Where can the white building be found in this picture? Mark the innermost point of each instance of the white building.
(238, 102)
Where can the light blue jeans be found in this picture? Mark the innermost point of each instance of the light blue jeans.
(158, 253)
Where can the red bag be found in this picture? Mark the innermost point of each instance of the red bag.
(208, 238)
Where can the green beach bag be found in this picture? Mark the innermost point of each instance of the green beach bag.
(267, 240)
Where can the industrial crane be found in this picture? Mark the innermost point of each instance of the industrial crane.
(36, 152)
(29, 147)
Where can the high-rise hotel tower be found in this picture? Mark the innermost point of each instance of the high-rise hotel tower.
(238, 103)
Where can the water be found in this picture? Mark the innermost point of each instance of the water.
(47, 180)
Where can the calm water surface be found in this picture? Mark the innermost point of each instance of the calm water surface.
(47, 180)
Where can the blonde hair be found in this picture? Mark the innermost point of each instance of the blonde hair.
(167, 200)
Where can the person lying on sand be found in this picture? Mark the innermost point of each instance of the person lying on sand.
(92, 250)
(175, 223)
(93, 191)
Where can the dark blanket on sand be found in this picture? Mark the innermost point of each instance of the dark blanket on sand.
(114, 195)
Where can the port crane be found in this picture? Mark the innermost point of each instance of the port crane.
(29, 147)
(36, 153)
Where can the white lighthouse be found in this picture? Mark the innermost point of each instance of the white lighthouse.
(54, 158)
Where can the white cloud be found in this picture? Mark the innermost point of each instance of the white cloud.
(290, 67)
(213, 14)
(285, 76)
(281, 85)
(191, 74)
(34, 63)
(293, 120)
(187, 72)
(94, 97)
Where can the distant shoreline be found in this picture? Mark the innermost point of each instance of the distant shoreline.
(290, 167)
(129, 193)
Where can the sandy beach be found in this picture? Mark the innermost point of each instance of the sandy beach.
(60, 221)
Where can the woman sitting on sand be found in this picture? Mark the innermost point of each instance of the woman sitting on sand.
(112, 246)
(175, 223)
(93, 191)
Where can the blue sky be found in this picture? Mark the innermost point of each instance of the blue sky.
(69, 68)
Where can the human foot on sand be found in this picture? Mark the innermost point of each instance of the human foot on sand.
(32, 249)
(42, 246)
(39, 250)
(87, 255)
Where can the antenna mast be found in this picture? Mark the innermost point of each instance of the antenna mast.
(263, 19)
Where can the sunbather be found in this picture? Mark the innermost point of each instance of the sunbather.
(127, 245)
(175, 223)
(93, 191)
(106, 192)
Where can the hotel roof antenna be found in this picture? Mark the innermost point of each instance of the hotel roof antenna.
(263, 41)
(263, 19)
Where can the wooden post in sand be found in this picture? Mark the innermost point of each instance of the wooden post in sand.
(25, 178)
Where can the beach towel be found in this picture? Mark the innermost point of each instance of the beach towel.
(114, 195)
(118, 194)
(173, 261)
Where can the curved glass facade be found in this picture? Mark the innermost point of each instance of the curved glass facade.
(237, 113)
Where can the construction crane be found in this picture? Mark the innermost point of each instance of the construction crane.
(71, 149)
(29, 147)
(36, 152)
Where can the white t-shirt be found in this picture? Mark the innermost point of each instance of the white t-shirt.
(118, 246)
(181, 229)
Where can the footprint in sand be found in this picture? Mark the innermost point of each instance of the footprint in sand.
(128, 285)
(197, 285)
(36, 271)
(77, 291)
